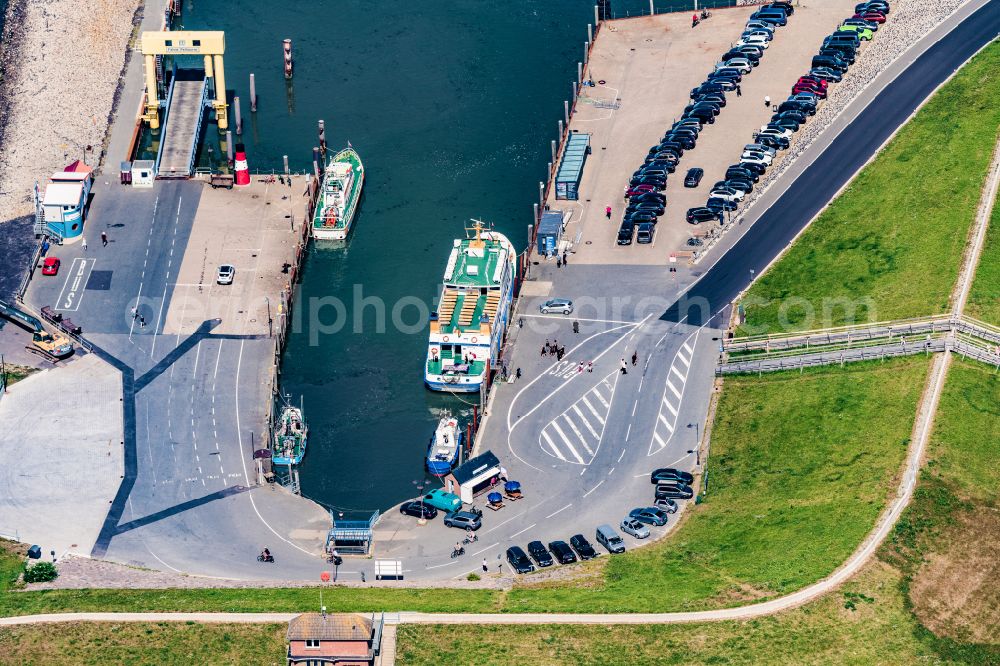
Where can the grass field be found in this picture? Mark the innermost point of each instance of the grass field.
(891, 244)
(984, 298)
(930, 596)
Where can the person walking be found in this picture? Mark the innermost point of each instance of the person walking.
(104, 239)
(767, 101)
(739, 91)
(558, 261)
(607, 210)
(635, 358)
(83, 239)
(565, 260)
(624, 367)
(590, 366)
(486, 567)
(694, 20)
(142, 321)
(579, 368)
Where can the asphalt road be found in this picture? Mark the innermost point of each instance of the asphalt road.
(817, 184)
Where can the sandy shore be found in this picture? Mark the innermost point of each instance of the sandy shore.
(62, 60)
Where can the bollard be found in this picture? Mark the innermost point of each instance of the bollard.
(566, 112)
(597, 15)
(550, 169)
(284, 159)
(560, 131)
(590, 33)
(316, 157)
(535, 206)
(229, 147)
(239, 116)
(554, 150)
(574, 97)
(322, 137)
(531, 231)
(651, 12)
(586, 51)
(579, 74)
(316, 170)
(253, 94)
(288, 58)
(541, 192)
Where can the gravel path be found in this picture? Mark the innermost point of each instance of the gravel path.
(62, 61)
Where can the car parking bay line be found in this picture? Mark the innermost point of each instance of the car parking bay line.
(586, 423)
(496, 527)
(592, 410)
(523, 531)
(569, 445)
(577, 432)
(559, 511)
(483, 550)
(552, 445)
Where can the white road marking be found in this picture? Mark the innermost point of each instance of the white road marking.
(591, 408)
(559, 510)
(496, 527)
(594, 488)
(159, 319)
(658, 441)
(673, 389)
(576, 431)
(585, 422)
(523, 531)
(566, 441)
(552, 445)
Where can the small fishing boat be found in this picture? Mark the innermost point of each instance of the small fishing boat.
(289, 438)
(444, 447)
(339, 195)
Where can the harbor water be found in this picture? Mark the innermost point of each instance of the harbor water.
(452, 107)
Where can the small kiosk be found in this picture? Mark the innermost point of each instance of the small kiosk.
(475, 477)
(143, 173)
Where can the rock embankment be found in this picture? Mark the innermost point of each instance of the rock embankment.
(62, 61)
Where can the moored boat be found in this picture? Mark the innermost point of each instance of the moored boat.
(444, 447)
(289, 438)
(339, 194)
(467, 330)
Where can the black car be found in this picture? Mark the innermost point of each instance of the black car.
(713, 98)
(661, 162)
(673, 491)
(787, 123)
(737, 171)
(664, 474)
(562, 551)
(777, 142)
(418, 509)
(874, 5)
(845, 37)
(720, 204)
(797, 116)
(827, 74)
(659, 182)
(519, 561)
(651, 172)
(801, 107)
(731, 73)
(842, 51)
(752, 167)
(654, 208)
(641, 216)
(539, 554)
(706, 88)
(836, 64)
(706, 116)
(686, 141)
(728, 83)
(693, 177)
(625, 232)
(671, 146)
(739, 183)
(582, 547)
(658, 197)
(785, 6)
(699, 215)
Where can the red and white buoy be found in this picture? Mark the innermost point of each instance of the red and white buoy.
(242, 169)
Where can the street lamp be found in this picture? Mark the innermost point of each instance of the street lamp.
(421, 484)
(697, 443)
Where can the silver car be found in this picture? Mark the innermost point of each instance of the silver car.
(226, 274)
(635, 528)
(563, 305)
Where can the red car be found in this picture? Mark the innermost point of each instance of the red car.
(640, 189)
(51, 266)
(813, 80)
(803, 87)
(873, 16)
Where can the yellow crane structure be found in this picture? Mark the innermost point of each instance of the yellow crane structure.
(208, 43)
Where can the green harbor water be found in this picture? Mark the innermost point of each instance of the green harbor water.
(452, 106)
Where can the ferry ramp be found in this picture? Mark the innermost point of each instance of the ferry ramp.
(185, 110)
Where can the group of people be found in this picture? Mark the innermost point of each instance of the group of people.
(561, 260)
(554, 349)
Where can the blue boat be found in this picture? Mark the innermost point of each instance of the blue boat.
(444, 447)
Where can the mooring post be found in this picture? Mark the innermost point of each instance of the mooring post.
(560, 131)
(590, 32)
(316, 170)
(253, 94)
(229, 147)
(586, 51)
(550, 170)
(239, 116)
(597, 15)
(535, 206)
(579, 73)
(650, 7)
(555, 150)
(322, 138)
(284, 159)
(541, 193)
(288, 58)
(566, 111)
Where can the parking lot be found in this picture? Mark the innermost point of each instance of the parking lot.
(649, 66)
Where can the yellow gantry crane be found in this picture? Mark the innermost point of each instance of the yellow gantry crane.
(210, 44)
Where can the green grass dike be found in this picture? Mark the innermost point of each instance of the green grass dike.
(890, 246)
(801, 466)
(984, 297)
(930, 596)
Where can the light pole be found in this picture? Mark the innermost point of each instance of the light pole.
(421, 484)
(697, 443)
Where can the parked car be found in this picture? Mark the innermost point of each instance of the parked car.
(727, 193)
(664, 504)
(664, 474)
(51, 266)
(754, 167)
(776, 130)
(659, 182)
(519, 561)
(466, 520)
(835, 64)
(226, 274)
(625, 232)
(673, 491)
(607, 537)
(702, 214)
(741, 65)
(783, 6)
(753, 40)
(582, 547)
(773, 141)
(539, 554)
(635, 528)
(418, 509)
(693, 177)
(861, 23)
(640, 216)
(644, 232)
(562, 552)
(770, 16)
(801, 107)
(717, 205)
(863, 33)
(737, 171)
(563, 305)
(649, 515)
(441, 499)
(826, 74)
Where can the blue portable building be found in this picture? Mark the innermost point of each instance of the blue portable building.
(549, 231)
(571, 167)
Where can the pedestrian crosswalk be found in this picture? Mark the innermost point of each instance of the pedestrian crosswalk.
(575, 435)
(673, 392)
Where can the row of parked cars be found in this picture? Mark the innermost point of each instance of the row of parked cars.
(671, 485)
(646, 201)
(828, 66)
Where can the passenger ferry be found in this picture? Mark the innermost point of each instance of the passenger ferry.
(338, 198)
(467, 330)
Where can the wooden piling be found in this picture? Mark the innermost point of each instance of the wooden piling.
(590, 33)
(597, 15)
(284, 159)
(560, 131)
(579, 73)
(586, 50)
(239, 116)
(565, 114)
(288, 58)
(253, 94)
(555, 150)
(229, 146)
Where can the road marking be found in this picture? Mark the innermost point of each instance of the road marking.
(688, 348)
(594, 488)
(673, 369)
(555, 449)
(566, 441)
(559, 511)
(159, 319)
(669, 406)
(576, 431)
(77, 285)
(523, 531)
(597, 394)
(628, 432)
(621, 455)
(673, 389)
(658, 442)
(685, 360)
(585, 422)
(565, 318)
(591, 408)
(483, 550)
(496, 527)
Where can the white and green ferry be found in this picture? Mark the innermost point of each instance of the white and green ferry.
(338, 197)
(473, 312)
